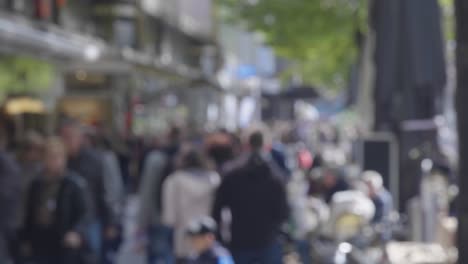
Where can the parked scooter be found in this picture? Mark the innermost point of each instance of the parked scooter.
(349, 236)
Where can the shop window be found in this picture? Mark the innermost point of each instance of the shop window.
(23, 7)
(125, 33)
(152, 35)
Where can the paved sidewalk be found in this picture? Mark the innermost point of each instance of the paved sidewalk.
(129, 252)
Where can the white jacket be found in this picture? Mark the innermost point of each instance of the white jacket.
(187, 196)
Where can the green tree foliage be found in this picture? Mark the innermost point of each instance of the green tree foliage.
(21, 74)
(448, 18)
(319, 36)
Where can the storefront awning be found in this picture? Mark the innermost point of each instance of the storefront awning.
(80, 52)
(24, 105)
(20, 35)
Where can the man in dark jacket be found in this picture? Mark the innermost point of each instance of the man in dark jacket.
(57, 213)
(10, 186)
(89, 164)
(253, 191)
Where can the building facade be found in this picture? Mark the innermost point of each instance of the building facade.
(115, 50)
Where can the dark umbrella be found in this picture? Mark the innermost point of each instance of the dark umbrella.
(410, 76)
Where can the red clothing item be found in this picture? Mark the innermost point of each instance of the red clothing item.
(305, 159)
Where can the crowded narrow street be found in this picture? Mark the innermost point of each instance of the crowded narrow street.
(233, 132)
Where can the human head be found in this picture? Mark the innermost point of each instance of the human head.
(330, 178)
(373, 180)
(256, 141)
(315, 182)
(54, 157)
(192, 158)
(72, 135)
(202, 234)
(174, 135)
(90, 137)
(32, 147)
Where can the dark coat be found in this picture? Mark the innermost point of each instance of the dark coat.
(10, 186)
(254, 192)
(340, 186)
(89, 165)
(72, 213)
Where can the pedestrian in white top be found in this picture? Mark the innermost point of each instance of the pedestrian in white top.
(188, 194)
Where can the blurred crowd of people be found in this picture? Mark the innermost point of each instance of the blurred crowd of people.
(216, 197)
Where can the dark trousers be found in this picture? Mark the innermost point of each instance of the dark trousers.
(69, 257)
(110, 248)
(48, 260)
(272, 254)
(4, 256)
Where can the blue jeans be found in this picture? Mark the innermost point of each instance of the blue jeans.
(160, 245)
(303, 249)
(110, 248)
(272, 254)
(95, 237)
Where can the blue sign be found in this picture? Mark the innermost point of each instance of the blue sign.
(246, 71)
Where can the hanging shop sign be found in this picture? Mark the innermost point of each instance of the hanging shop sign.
(196, 17)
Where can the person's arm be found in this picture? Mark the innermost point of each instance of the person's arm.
(379, 209)
(219, 201)
(113, 183)
(25, 232)
(152, 173)
(9, 192)
(283, 211)
(106, 210)
(388, 203)
(169, 202)
(81, 208)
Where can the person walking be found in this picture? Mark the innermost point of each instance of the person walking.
(10, 187)
(153, 167)
(219, 147)
(30, 161)
(113, 183)
(115, 195)
(379, 195)
(188, 194)
(253, 190)
(202, 234)
(89, 164)
(171, 152)
(333, 181)
(57, 213)
(149, 216)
